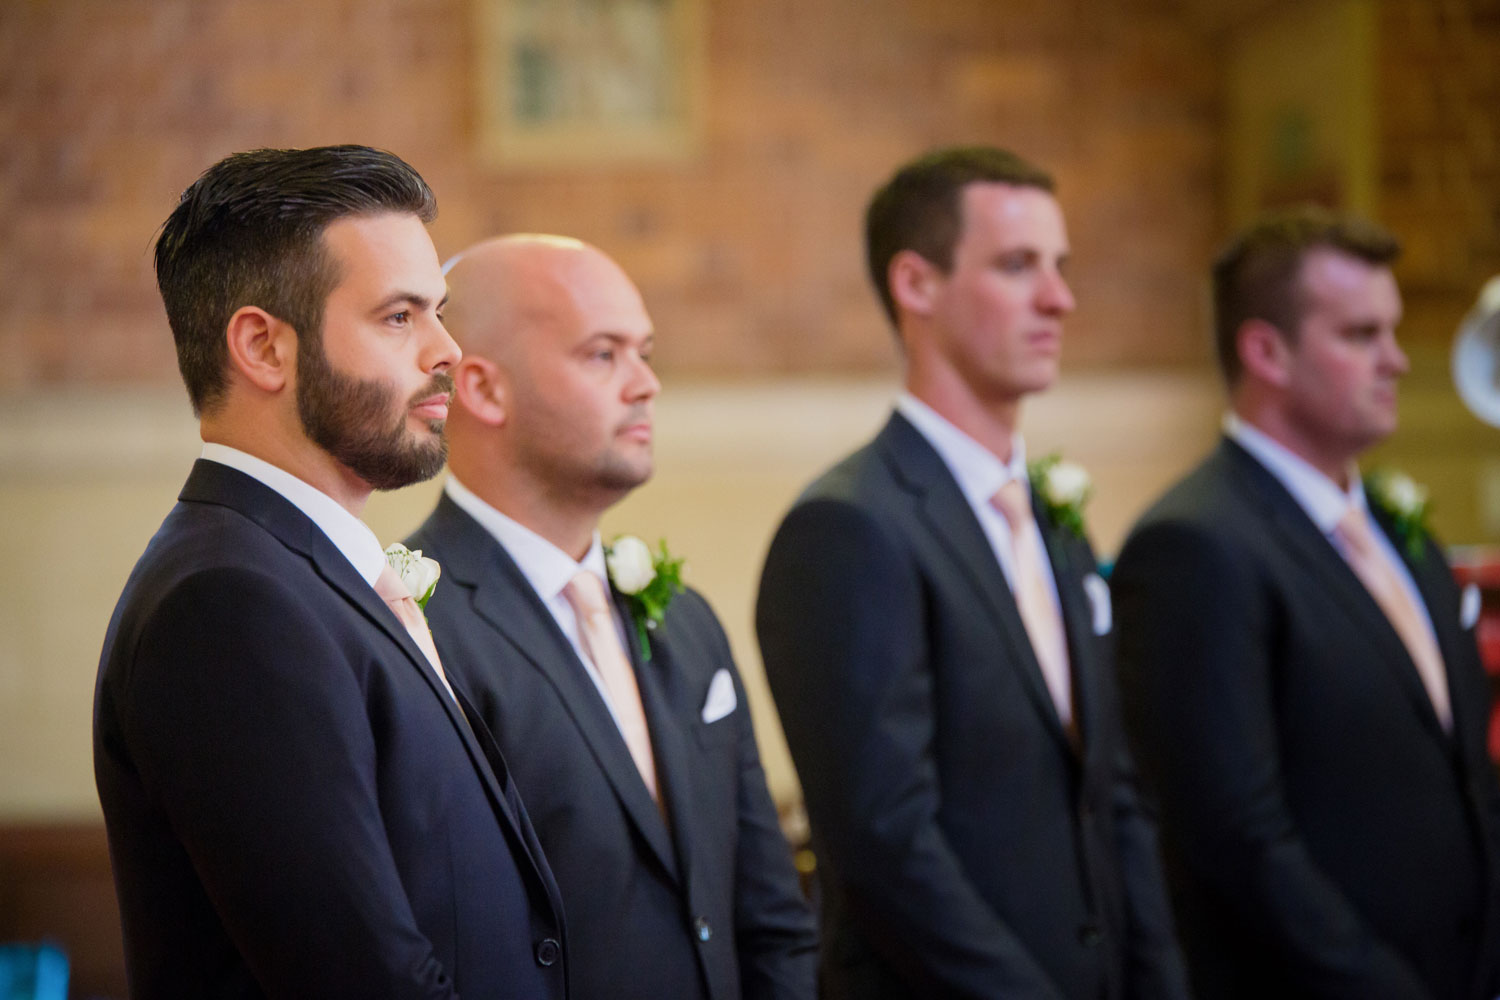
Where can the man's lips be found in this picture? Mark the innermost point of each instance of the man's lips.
(640, 431)
(1046, 340)
(433, 407)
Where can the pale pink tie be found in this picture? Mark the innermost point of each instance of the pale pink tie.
(1034, 598)
(601, 641)
(1374, 569)
(399, 599)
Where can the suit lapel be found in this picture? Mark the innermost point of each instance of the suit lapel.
(920, 472)
(504, 598)
(211, 482)
(1308, 546)
(669, 740)
(1078, 621)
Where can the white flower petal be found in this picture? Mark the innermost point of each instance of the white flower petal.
(630, 564)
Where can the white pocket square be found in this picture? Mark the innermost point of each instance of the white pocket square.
(1468, 607)
(721, 700)
(1098, 592)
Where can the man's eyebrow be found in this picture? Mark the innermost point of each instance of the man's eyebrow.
(414, 299)
(620, 336)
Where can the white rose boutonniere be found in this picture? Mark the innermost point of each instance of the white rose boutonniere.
(648, 581)
(1406, 501)
(1064, 488)
(419, 573)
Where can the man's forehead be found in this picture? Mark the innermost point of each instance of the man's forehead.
(1001, 210)
(1331, 274)
(381, 249)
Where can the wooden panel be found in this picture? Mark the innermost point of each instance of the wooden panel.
(55, 885)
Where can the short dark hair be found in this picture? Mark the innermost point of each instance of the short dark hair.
(249, 231)
(1258, 275)
(921, 207)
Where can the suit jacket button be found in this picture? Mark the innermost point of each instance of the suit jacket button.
(547, 950)
(1090, 936)
(702, 930)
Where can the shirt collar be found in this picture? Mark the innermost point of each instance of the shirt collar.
(546, 567)
(349, 534)
(1322, 499)
(976, 469)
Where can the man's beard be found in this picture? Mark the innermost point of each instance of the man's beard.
(351, 419)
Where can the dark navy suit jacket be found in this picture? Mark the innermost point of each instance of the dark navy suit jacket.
(704, 903)
(965, 847)
(1324, 837)
(295, 805)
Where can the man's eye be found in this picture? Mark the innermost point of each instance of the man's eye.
(401, 317)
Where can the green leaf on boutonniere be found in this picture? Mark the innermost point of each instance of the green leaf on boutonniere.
(1405, 502)
(1063, 488)
(648, 581)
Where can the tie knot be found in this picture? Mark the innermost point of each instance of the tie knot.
(1354, 529)
(389, 586)
(1014, 501)
(586, 594)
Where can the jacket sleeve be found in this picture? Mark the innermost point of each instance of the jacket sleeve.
(1196, 637)
(843, 634)
(249, 729)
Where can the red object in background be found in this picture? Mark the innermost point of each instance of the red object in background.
(1481, 567)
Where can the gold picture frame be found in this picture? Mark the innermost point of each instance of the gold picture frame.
(580, 82)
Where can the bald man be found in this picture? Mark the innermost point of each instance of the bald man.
(640, 771)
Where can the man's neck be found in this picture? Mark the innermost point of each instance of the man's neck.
(1273, 423)
(297, 456)
(568, 523)
(992, 425)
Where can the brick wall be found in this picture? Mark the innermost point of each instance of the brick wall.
(748, 253)
(1439, 113)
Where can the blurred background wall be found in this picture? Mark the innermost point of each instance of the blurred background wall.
(1166, 122)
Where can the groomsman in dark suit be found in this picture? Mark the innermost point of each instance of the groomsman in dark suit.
(936, 638)
(632, 746)
(296, 803)
(1300, 673)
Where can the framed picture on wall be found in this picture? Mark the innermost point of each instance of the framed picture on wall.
(577, 82)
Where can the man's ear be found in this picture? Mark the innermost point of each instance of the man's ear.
(1264, 352)
(481, 388)
(262, 348)
(913, 280)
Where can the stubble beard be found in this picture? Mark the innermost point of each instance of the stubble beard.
(351, 419)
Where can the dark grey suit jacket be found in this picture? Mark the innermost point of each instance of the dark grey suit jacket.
(705, 904)
(965, 847)
(1323, 836)
(295, 806)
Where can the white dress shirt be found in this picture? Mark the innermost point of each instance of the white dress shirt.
(348, 533)
(979, 474)
(1322, 499)
(548, 569)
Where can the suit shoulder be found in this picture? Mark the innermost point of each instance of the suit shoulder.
(1208, 498)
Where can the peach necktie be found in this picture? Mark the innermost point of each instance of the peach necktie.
(601, 641)
(1374, 569)
(399, 600)
(1034, 598)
